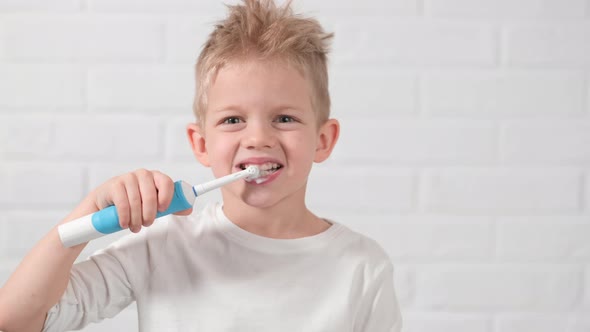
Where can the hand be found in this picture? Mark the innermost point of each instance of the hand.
(137, 197)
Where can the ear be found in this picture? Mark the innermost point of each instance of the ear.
(196, 138)
(327, 138)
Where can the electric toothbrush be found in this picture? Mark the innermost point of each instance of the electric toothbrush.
(106, 221)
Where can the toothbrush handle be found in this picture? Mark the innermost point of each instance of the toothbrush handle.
(106, 221)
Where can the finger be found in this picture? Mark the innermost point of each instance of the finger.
(149, 196)
(165, 188)
(121, 202)
(134, 196)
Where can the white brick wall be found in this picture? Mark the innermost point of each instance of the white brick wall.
(507, 9)
(161, 88)
(74, 38)
(446, 322)
(543, 322)
(557, 239)
(498, 287)
(503, 92)
(465, 146)
(42, 87)
(565, 44)
(561, 142)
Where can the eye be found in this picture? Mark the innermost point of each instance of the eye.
(285, 119)
(231, 120)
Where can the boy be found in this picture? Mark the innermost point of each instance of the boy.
(261, 261)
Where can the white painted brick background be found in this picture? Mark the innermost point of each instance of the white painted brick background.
(465, 147)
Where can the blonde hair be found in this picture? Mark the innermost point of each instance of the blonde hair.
(260, 29)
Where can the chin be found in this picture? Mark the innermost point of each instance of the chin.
(260, 201)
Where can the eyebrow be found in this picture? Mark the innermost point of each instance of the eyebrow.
(231, 107)
(228, 108)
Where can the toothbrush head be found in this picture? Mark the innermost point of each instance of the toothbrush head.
(253, 171)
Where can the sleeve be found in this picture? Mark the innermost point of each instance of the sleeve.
(106, 283)
(380, 311)
(98, 288)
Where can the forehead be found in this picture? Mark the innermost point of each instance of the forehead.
(259, 84)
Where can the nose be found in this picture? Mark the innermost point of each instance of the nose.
(259, 135)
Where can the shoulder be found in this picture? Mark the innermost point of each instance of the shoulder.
(363, 250)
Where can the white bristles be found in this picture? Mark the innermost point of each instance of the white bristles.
(253, 171)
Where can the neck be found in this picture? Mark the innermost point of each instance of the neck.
(284, 220)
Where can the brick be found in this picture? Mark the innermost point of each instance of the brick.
(505, 9)
(36, 186)
(426, 238)
(187, 171)
(548, 44)
(553, 288)
(158, 6)
(153, 88)
(445, 322)
(83, 38)
(16, 140)
(375, 7)
(561, 239)
(77, 137)
(109, 137)
(3, 50)
(501, 191)
(412, 43)
(580, 322)
(43, 87)
(490, 93)
(372, 93)
(21, 229)
(24, 228)
(403, 281)
(177, 144)
(40, 5)
(389, 139)
(545, 322)
(186, 36)
(394, 7)
(365, 188)
(553, 141)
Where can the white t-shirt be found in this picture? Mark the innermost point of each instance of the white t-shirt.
(204, 273)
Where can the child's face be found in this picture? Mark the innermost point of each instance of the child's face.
(260, 113)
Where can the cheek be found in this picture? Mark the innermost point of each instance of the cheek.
(302, 148)
(220, 152)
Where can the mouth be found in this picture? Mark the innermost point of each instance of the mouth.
(266, 170)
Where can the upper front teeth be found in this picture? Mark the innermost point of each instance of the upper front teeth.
(264, 167)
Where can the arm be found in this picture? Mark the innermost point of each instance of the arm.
(42, 277)
(39, 281)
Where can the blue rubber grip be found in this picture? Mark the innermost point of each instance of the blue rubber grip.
(106, 220)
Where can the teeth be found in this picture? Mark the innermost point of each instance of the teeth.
(265, 166)
(265, 170)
